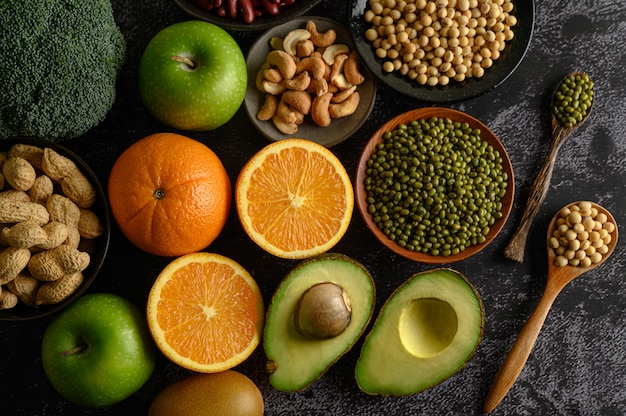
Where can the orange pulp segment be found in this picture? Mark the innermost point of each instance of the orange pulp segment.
(205, 312)
(294, 198)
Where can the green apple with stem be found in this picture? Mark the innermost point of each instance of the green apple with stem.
(98, 351)
(193, 76)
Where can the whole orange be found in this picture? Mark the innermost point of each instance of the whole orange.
(169, 194)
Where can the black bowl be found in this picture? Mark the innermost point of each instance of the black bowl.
(97, 248)
(340, 129)
(509, 60)
(263, 22)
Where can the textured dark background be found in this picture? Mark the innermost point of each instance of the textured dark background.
(578, 366)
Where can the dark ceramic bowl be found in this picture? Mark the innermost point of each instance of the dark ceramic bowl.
(425, 113)
(340, 129)
(455, 91)
(263, 22)
(97, 248)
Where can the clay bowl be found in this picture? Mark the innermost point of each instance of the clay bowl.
(97, 248)
(424, 113)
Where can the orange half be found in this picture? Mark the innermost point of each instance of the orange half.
(294, 198)
(205, 312)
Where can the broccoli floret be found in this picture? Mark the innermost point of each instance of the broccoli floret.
(58, 66)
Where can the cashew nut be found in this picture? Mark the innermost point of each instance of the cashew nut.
(341, 82)
(260, 76)
(276, 42)
(321, 39)
(331, 51)
(343, 95)
(272, 75)
(299, 100)
(285, 63)
(313, 65)
(268, 109)
(293, 38)
(286, 114)
(320, 109)
(346, 107)
(300, 82)
(304, 49)
(318, 86)
(337, 67)
(351, 69)
(285, 128)
(274, 88)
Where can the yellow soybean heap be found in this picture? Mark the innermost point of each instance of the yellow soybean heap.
(437, 41)
(582, 235)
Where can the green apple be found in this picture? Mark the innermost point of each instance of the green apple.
(98, 351)
(193, 76)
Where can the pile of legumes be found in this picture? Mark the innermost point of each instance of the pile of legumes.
(434, 186)
(573, 99)
(437, 41)
(582, 235)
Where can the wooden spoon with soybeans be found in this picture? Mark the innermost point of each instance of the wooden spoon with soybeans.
(577, 243)
(570, 108)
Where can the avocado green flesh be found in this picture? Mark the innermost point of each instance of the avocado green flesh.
(298, 360)
(426, 331)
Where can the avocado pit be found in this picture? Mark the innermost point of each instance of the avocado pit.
(323, 311)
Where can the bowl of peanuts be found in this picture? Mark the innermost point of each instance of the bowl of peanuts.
(54, 227)
(441, 51)
(306, 80)
(246, 15)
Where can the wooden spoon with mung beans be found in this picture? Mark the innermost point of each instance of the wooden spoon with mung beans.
(562, 128)
(558, 277)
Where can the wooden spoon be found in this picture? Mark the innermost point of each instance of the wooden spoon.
(517, 245)
(558, 278)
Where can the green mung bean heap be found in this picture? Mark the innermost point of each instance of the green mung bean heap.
(573, 99)
(434, 186)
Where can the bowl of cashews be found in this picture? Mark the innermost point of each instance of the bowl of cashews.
(306, 80)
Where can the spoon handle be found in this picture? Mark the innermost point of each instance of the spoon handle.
(517, 245)
(519, 353)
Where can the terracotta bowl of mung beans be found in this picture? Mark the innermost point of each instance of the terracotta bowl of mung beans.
(434, 185)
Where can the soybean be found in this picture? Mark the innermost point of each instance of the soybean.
(434, 186)
(581, 236)
(573, 99)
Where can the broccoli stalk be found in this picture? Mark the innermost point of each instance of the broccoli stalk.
(60, 60)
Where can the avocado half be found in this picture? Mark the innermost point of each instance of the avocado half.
(295, 360)
(425, 332)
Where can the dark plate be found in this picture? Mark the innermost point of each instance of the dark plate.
(339, 129)
(453, 92)
(97, 247)
(263, 22)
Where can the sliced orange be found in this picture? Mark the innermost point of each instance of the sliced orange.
(205, 312)
(294, 198)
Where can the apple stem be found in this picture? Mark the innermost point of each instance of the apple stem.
(73, 350)
(184, 60)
